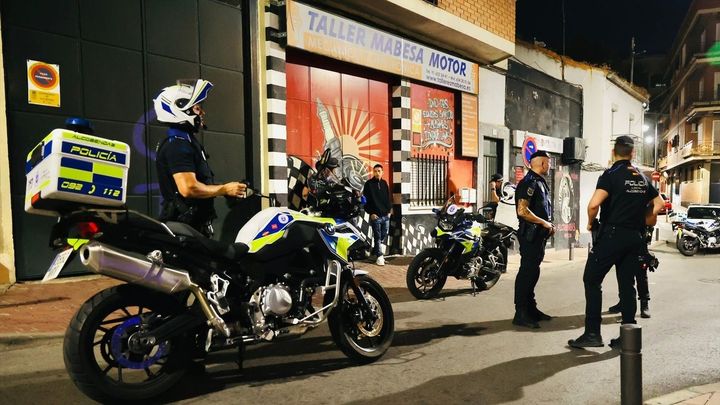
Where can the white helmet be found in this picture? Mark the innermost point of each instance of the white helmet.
(174, 104)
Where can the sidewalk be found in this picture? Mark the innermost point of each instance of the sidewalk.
(34, 311)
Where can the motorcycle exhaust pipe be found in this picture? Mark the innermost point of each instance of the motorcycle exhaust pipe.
(116, 264)
(151, 274)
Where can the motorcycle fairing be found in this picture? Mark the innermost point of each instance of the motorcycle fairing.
(339, 243)
(270, 224)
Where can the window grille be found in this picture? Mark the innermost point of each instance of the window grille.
(429, 180)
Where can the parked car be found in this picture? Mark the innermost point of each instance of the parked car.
(667, 209)
(701, 213)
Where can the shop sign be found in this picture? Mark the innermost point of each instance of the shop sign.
(437, 112)
(542, 142)
(43, 83)
(340, 38)
(469, 125)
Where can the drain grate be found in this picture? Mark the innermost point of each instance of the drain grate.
(710, 280)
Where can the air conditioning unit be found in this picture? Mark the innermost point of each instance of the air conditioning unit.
(573, 150)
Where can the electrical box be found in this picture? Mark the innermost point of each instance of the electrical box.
(467, 195)
(69, 169)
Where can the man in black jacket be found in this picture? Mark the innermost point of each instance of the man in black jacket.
(378, 205)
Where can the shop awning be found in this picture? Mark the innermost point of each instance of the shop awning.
(423, 21)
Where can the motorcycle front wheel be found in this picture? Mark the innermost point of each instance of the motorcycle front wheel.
(361, 338)
(103, 359)
(424, 278)
(688, 246)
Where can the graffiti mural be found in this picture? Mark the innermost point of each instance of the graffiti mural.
(349, 115)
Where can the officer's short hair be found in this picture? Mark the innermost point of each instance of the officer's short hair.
(624, 146)
(378, 166)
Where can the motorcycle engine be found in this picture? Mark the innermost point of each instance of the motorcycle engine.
(276, 300)
(473, 266)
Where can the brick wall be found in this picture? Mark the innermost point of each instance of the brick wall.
(496, 16)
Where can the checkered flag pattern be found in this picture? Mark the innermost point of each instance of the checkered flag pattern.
(416, 237)
(298, 173)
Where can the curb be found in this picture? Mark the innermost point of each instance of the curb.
(13, 340)
(685, 394)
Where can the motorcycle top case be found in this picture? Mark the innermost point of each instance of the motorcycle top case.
(69, 169)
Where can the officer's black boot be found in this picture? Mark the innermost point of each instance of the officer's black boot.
(644, 309)
(523, 318)
(615, 309)
(539, 315)
(587, 339)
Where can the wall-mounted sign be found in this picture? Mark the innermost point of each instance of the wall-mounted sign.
(543, 142)
(416, 120)
(341, 38)
(437, 114)
(43, 83)
(528, 148)
(469, 125)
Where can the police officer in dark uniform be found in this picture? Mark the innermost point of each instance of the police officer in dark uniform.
(185, 177)
(622, 196)
(534, 213)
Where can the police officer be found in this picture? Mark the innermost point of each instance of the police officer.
(534, 213)
(185, 177)
(622, 195)
(641, 278)
(495, 187)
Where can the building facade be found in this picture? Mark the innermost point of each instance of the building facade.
(580, 101)
(109, 61)
(400, 83)
(689, 146)
(366, 82)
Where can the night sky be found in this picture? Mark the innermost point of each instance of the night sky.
(600, 32)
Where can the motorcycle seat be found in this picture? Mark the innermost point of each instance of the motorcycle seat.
(229, 251)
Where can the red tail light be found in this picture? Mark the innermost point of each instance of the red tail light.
(87, 230)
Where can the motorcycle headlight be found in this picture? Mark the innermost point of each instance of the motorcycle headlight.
(446, 225)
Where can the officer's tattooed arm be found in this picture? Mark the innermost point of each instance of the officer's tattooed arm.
(523, 211)
(594, 206)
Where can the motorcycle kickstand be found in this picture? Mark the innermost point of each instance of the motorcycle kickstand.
(241, 356)
(474, 288)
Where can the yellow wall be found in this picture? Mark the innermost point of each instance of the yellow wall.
(7, 252)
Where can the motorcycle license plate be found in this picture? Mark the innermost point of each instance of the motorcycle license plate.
(57, 264)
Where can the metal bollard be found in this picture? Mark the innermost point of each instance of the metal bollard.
(657, 234)
(630, 364)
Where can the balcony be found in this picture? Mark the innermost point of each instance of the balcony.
(689, 152)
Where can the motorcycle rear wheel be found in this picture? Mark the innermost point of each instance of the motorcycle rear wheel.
(686, 247)
(100, 331)
(363, 341)
(424, 278)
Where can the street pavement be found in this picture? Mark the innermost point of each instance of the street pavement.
(457, 348)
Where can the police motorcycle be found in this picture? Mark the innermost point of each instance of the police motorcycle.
(187, 295)
(691, 237)
(467, 246)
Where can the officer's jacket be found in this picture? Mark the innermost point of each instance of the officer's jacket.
(629, 193)
(535, 190)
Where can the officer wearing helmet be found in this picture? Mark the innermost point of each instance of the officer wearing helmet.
(186, 180)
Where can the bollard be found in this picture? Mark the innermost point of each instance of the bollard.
(657, 234)
(630, 364)
(570, 253)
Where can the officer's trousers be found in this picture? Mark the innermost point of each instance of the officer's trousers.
(619, 247)
(531, 255)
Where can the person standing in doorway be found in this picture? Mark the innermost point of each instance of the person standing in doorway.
(621, 196)
(378, 205)
(495, 187)
(534, 214)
